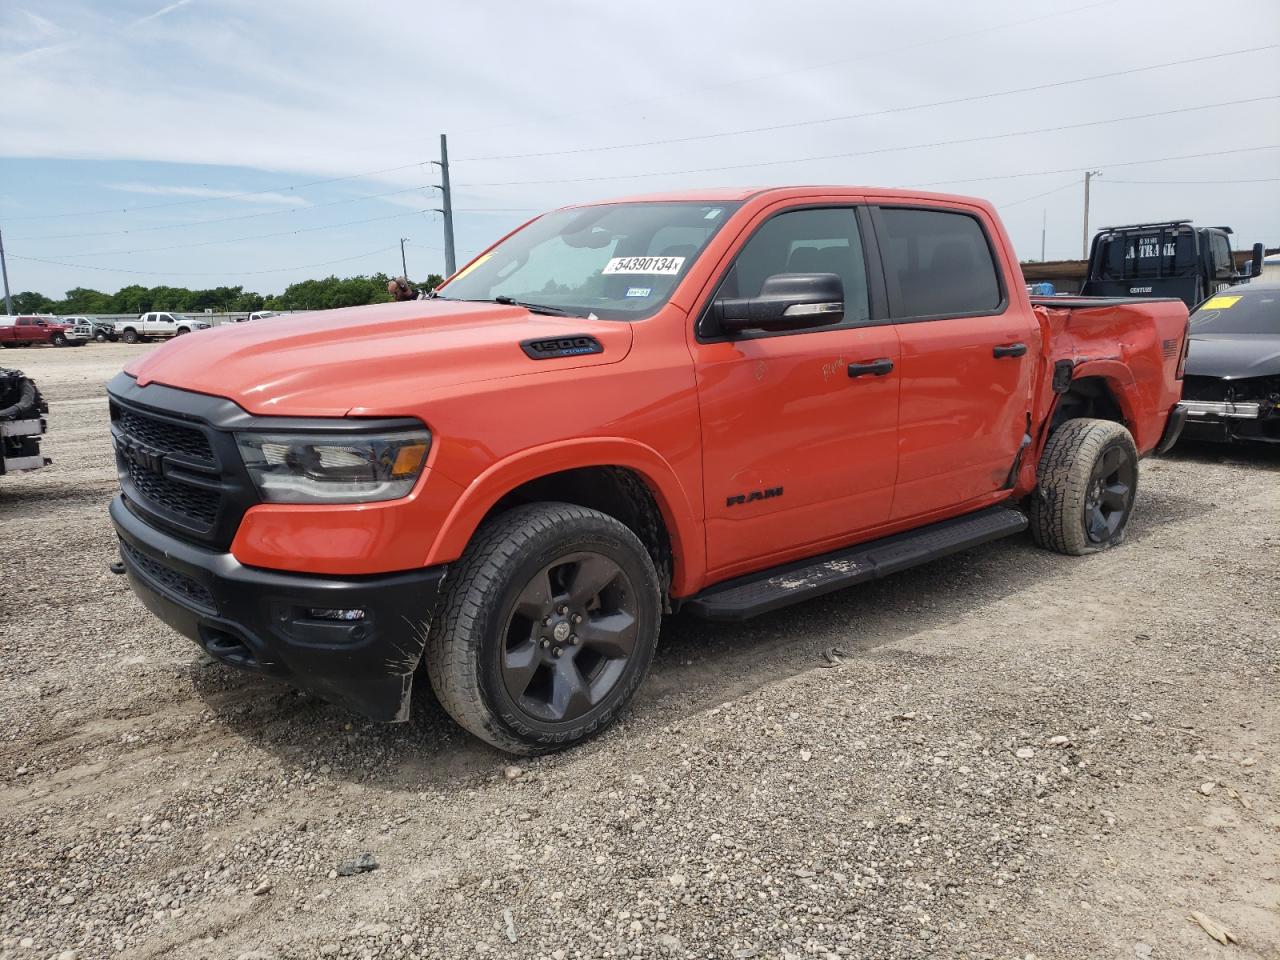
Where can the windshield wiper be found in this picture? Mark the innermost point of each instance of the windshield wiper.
(533, 307)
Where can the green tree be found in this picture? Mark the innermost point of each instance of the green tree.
(30, 302)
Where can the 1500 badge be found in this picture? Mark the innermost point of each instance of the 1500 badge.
(768, 493)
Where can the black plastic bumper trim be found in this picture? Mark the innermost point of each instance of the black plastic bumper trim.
(1172, 429)
(261, 620)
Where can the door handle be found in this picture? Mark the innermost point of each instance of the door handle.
(877, 368)
(1009, 350)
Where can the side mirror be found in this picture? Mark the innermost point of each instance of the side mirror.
(787, 301)
(1255, 264)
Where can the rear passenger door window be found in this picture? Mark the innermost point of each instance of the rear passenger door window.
(937, 263)
(820, 240)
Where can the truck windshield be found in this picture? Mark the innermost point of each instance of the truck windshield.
(1246, 312)
(618, 261)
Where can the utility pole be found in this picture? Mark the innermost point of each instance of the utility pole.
(1044, 222)
(450, 264)
(404, 267)
(1084, 248)
(4, 268)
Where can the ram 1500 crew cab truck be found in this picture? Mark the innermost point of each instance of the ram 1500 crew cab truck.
(723, 401)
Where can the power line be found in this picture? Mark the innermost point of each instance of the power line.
(1037, 196)
(1186, 182)
(1119, 163)
(879, 150)
(863, 57)
(188, 273)
(870, 113)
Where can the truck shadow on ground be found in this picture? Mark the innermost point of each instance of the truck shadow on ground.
(699, 664)
(1260, 456)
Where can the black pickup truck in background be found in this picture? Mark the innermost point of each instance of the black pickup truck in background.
(1170, 259)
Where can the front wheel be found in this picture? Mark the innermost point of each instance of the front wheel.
(59, 340)
(1088, 482)
(549, 626)
(100, 337)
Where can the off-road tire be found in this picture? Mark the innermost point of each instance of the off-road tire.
(130, 336)
(465, 644)
(1060, 505)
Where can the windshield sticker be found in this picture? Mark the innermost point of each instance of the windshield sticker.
(639, 291)
(662, 266)
(713, 213)
(1220, 303)
(471, 266)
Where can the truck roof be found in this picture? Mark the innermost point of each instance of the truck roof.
(730, 194)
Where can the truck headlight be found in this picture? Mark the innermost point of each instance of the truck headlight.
(352, 468)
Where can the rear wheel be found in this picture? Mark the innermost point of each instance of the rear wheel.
(130, 336)
(1088, 482)
(549, 627)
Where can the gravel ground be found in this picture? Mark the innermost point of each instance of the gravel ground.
(1005, 754)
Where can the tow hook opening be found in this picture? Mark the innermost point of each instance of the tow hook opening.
(227, 647)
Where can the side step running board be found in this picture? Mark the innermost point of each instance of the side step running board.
(782, 586)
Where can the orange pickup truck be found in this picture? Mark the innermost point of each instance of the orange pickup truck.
(720, 402)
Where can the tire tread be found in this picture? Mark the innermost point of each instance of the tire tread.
(1057, 505)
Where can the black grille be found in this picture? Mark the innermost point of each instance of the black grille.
(1250, 389)
(170, 580)
(165, 436)
(195, 503)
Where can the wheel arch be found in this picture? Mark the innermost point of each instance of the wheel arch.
(622, 478)
(1100, 390)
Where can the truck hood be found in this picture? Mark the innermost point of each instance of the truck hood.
(378, 360)
(1234, 356)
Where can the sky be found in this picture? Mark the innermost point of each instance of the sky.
(220, 142)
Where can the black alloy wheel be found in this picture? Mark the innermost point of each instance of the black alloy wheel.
(1110, 494)
(569, 637)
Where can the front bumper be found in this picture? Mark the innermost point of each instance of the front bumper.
(1227, 421)
(265, 621)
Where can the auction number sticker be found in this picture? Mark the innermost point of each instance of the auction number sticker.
(654, 266)
(1219, 303)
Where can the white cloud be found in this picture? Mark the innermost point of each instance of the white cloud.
(163, 11)
(161, 190)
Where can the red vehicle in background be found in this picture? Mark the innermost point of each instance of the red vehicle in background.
(721, 401)
(26, 331)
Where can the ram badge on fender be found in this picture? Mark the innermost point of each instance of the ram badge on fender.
(726, 401)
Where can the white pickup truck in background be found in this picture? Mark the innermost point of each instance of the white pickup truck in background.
(158, 325)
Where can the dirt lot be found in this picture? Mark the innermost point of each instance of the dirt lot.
(1010, 754)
